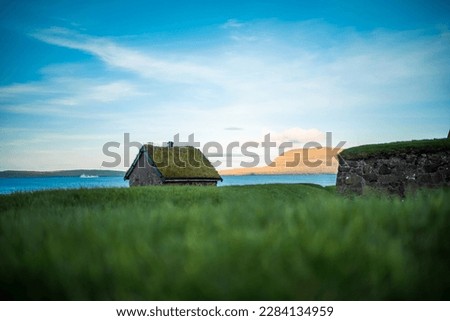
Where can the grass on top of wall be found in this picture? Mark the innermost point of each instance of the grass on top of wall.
(395, 148)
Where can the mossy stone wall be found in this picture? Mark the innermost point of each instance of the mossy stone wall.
(395, 174)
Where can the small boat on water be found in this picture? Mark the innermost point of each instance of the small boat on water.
(88, 176)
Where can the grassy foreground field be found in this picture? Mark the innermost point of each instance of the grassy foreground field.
(266, 242)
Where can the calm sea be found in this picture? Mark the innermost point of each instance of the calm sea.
(11, 185)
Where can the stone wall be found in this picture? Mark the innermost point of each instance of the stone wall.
(395, 174)
(144, 174)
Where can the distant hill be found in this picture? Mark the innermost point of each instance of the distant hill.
(292, 162)
(66, 173)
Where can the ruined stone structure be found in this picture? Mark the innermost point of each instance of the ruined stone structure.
(395, 172)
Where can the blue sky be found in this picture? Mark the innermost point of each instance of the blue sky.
(75, 75)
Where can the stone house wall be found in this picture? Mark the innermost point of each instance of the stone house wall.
(144, 174)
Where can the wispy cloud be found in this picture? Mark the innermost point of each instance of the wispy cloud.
(299, 135)
(21, 89)
(232, 23)
(129, 59)
(111, 91)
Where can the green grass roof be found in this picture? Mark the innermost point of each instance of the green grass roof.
(181, 162)
(389, 149)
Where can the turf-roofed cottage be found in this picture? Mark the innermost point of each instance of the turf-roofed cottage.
(184, 165)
